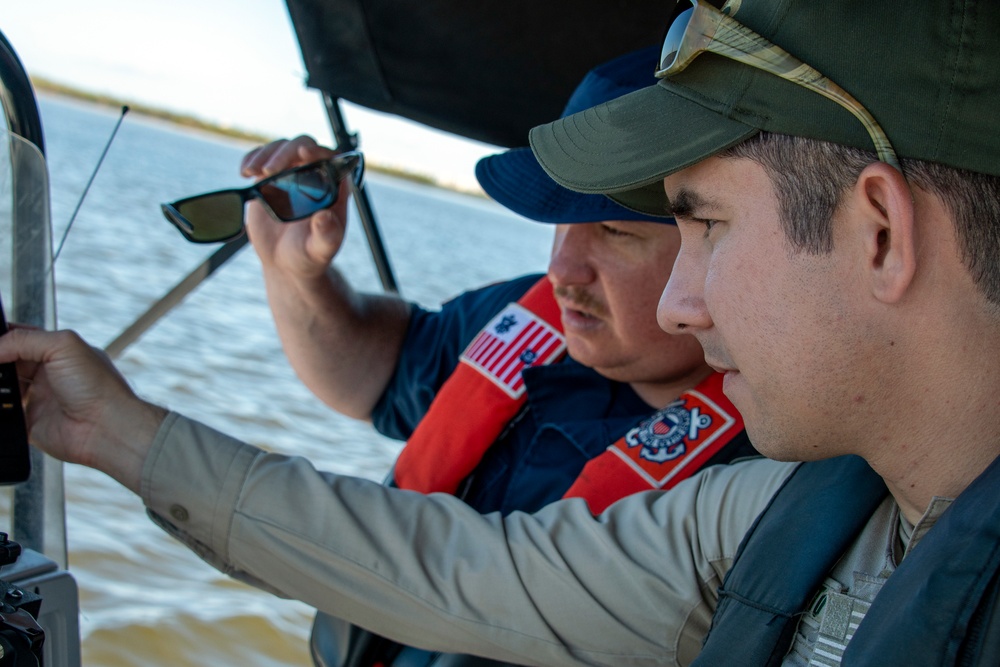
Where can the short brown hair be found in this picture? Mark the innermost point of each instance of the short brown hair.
(810, 177)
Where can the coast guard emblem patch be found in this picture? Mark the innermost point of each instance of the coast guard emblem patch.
(512, 340)
(660, 447)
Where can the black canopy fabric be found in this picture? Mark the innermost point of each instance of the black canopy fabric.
(484, 69)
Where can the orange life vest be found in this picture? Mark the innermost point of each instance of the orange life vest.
(486, 391)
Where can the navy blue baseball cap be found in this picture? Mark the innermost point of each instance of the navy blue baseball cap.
(516, 180)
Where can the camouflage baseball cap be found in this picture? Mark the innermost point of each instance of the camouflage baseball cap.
(928, 71)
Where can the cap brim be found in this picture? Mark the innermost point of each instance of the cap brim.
(516, 181)
(624, 148)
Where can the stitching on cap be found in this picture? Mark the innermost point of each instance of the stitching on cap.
(948, 95)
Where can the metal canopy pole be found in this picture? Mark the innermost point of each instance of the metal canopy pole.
(348, 141)
(174, 296)
(38, 508)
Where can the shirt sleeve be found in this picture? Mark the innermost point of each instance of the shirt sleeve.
(434, 342)
(634, 586)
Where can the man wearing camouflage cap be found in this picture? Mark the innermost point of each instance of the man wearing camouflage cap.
(833, 168)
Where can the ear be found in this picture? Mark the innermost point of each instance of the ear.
(884, 208)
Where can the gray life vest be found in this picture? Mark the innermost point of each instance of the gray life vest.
(939, 607)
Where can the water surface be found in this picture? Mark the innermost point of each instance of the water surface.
(145, 600)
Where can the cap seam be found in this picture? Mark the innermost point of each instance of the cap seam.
(698, 98)
(960, 42)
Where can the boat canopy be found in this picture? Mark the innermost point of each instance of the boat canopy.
(488, 70)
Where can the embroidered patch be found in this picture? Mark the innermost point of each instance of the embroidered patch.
(512, 340)
(662, 446)
(834, 618)
(836, 621)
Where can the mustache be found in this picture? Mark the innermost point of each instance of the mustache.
(580, 299)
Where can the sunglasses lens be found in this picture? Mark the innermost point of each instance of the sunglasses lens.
(291, 195)
(214, 217)
(300, 193)
(672, 42)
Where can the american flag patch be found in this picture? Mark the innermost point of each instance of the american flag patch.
(515, 338)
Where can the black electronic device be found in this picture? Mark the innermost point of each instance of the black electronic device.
(21, 637)
(15, 459)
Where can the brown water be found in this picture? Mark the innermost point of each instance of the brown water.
(144, 599)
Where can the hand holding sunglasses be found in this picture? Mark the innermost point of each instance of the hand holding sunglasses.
(289, 195)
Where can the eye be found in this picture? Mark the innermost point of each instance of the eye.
(612, 230)
(709, 225)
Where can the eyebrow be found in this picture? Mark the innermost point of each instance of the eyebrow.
(685, 202)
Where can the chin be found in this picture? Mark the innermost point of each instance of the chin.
(579, 350)
(587, 353)
(780, 447)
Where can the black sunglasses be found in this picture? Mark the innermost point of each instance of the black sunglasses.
(289, 195)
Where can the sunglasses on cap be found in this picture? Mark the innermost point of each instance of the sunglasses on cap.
(289, 195)
(705, 28)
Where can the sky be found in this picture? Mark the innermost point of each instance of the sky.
(231, 62)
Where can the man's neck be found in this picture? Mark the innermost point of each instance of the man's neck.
(941, 431)
(944, 473)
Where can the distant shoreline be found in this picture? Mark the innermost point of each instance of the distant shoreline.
(54, 88)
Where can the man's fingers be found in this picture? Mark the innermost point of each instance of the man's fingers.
(300, 150)
(254, 160)
(35, 345)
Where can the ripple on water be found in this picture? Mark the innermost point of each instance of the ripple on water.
(145, 599)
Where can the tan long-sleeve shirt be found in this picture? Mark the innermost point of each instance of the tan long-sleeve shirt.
(636, 586)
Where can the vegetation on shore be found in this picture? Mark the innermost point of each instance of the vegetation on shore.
(183, 120)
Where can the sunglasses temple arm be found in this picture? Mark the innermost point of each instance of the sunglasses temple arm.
(347, 141)
(166, 303)
(733, 40)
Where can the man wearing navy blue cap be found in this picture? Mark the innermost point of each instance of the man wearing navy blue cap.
(625, 408)
(380, 358)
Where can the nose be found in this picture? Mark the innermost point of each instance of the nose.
(570, 261)
(682, 308)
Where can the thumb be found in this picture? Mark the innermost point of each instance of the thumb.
(326, 237)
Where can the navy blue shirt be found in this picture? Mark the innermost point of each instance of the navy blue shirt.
(571, 415)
